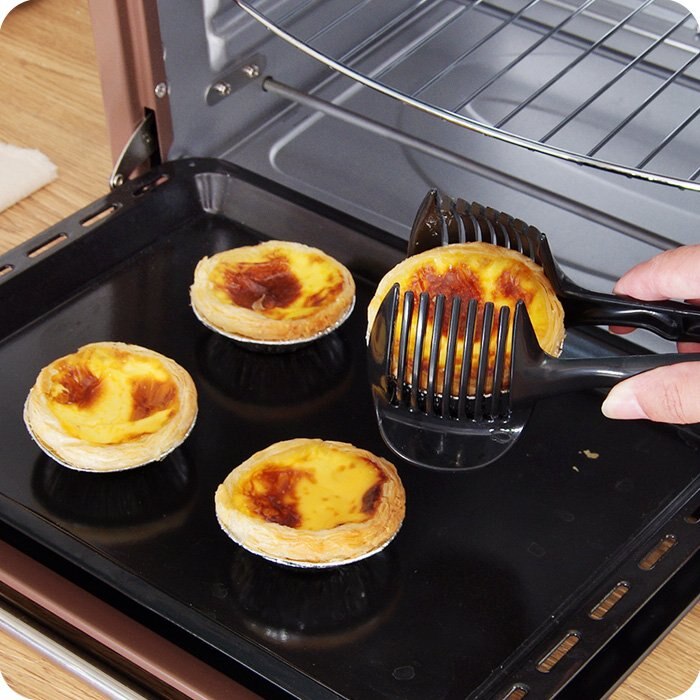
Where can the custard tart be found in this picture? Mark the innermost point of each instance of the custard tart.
(276, 292)
(480, 271)
(312, 503)
(110, 406)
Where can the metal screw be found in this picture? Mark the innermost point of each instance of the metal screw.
(161, 90)
(251, 71)
(222, 88)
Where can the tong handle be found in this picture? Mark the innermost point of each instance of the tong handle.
(672, 320)
(557, 376)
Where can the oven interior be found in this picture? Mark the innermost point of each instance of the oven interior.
(548, 573)
(577, 117)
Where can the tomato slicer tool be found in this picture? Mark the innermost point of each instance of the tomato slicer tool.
(454, 380)
(442, 220)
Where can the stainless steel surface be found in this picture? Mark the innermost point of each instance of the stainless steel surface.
(235, 78)
(546, 40)
(332, 136)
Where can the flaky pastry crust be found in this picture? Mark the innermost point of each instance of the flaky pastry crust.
(485, 272)
(272, 292)
(296, 546)
(47, 430)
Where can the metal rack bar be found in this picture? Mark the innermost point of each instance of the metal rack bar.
(667, 83)
(387, 32)
(393, 27)
(488, 36)
(672, 135)
(379, 78)
(499, 74)
(604, 88)
(519, 184)
(440, 26)
(564, 71)
(374, 38)
(632, 29)
(296, 11)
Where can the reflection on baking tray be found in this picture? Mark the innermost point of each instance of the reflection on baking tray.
(330, 606)
(269, 386)
(117, 507)
(489, 618)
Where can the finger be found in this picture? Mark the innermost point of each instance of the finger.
(621, 330)
(683, 346)
(666, 395)
(672, 274)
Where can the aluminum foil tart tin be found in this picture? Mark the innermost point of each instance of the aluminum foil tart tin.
(277, 345)
(310, 564)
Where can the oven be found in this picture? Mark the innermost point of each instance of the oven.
(547, 573)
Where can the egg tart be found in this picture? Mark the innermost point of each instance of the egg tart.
(276, 292)
(481, 271)
(110, 406)
(312, 503)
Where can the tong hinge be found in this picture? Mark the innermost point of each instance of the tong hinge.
(140, 148)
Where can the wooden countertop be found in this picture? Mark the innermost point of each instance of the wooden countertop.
(50, 100)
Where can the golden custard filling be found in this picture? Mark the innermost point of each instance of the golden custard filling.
(109, 396)
(502, 280)
(289, 284)
(311, 488)
(482, 272)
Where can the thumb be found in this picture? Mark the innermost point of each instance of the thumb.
(666, 395)
(672, 274)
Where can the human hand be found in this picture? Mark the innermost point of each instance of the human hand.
(667, 394)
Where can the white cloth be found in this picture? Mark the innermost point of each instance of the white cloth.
(22, 171)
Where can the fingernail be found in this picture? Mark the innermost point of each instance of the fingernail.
(622, 403)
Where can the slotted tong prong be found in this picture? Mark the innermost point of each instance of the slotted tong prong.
(454, 380)
(421, 383)
(427, 370)
(441, 220)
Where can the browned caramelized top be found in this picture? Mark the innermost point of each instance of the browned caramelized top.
(466, 283)
(313, 493)
(371, 497)
(150, 396)
(453, 282)
(261, 285)
(79, 386)
(272, 494)
(509, 286)
(105, 395)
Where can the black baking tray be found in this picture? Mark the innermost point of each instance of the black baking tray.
(491, 569)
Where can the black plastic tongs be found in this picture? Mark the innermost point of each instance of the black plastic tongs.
(449, 397)
(441, 220)
(445, 393)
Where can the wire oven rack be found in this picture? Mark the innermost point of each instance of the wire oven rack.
(610, 84)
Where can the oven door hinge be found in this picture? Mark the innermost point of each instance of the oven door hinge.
(141, 147)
